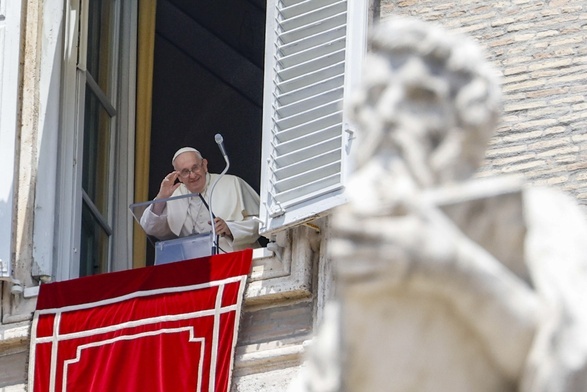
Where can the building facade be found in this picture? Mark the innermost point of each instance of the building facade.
(74, 130)
(537, 48)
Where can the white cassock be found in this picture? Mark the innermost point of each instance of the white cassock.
(233, 200)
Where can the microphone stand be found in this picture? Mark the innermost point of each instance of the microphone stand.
(215, 238)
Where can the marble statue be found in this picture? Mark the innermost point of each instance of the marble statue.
(445, 281)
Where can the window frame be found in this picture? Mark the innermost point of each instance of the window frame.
(106, 104)
(57, 255)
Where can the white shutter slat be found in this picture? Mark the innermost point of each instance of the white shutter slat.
(309, 98)
(292, 182)
(291, 140)
(311, 13)
(302, 31)
(328, 37)
(307, 128)
(308, 164)
(294, 8)
(296, 161)
(295, 69)
(311, 78)
(308, 116)
(310, 189)
(299, 3)
(304, 146)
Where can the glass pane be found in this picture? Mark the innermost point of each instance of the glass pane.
(94, 245)
(97, 137)
(100, 43)
(96, 154)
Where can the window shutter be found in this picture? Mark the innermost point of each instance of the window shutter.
(313, 52)
(9, 64)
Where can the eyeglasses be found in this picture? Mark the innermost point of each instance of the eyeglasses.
(185, 173)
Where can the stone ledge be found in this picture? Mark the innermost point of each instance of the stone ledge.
(267, 360)
(14, 334)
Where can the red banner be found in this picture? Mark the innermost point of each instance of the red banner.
(171, 327)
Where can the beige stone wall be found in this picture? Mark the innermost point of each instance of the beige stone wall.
(539, 47)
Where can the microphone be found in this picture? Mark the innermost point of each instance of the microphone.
(220, 141)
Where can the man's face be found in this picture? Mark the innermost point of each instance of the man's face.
(414, 109)
(192, 171)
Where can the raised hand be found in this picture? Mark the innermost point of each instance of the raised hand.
(168, 185)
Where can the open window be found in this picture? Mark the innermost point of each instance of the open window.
(290, 139)
(278, 106)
